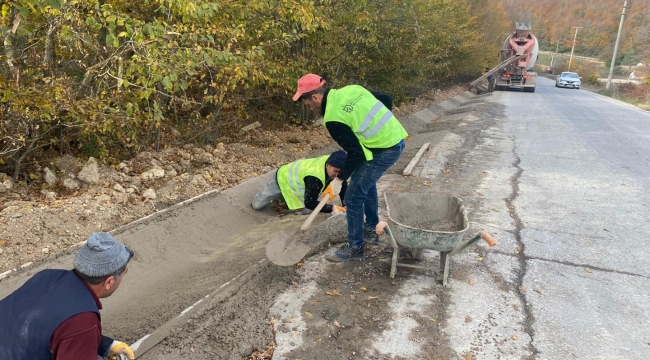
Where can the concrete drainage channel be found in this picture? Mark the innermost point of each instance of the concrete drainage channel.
(200, 284)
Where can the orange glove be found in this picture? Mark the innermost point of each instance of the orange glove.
(119, 348)
(337, 209)
(328, 192)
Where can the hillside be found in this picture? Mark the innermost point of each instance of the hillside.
(552, 21)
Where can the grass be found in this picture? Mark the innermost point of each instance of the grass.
(630, 94)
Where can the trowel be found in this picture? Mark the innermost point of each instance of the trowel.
(285, 249)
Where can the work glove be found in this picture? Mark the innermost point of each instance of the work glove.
(334, 188)
(120, 348)
(337, 210)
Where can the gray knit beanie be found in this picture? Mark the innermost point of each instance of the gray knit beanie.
(101, 256)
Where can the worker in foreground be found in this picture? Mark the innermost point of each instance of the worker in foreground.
(55, 314)
(368, 131)
(300, 183)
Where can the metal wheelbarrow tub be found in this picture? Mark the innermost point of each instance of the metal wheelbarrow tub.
(427, 221)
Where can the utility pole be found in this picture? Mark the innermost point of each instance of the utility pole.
(557, 47)
(618, 40)
(574, 45)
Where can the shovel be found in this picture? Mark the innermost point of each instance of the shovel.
(285, 250)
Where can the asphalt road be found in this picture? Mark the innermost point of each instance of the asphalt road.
(564, 185)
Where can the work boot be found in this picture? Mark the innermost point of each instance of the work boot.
(347, 253)
(370, 237)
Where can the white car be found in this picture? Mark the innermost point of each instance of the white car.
(568, 79)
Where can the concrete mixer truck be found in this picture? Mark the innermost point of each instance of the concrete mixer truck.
(517, 58)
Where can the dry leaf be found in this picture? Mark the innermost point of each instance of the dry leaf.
(515, 337)
(432, 319)
(373, 297)
(588, 271)
(471, 282)
(3, 242)
(522, 289)
(333, 293)
(479, 259)
(468, 356)
(307, 314)
(299, 264)
(336, 323)
(516, 307)
(351, 297)
(468, 319)
(363, 289)
(318, 340)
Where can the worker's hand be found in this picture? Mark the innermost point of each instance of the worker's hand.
(328, 192)
(120, 348)
(337, 210)
(334, 188)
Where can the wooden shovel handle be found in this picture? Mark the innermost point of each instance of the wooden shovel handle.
(312, 216)
(488, 239)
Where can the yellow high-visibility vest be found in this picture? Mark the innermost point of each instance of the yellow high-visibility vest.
(291, 179)
(374, 125)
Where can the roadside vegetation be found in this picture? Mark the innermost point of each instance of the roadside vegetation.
(111, 78)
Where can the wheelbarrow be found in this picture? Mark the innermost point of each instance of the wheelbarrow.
(421, 221)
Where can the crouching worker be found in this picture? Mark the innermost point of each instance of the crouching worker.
(301, 183)
(55, 314)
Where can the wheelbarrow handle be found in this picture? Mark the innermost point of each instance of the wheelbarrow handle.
(488, 239)
(380, 228)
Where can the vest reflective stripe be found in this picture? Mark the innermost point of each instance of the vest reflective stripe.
(373, 112)
(297, 187)
(291, 179)
(373, 124)
(367, 134)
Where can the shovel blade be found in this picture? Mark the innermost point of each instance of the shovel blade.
(285, 250)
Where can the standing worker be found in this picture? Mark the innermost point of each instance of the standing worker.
(301, 183)
(55, 314)
(491, 80)
(374, 140)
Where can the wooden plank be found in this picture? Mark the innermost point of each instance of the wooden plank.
(415, 159)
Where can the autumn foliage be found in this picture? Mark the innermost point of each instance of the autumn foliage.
(107, 78)
(552, 22)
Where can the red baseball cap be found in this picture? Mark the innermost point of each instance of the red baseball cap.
(308, 83)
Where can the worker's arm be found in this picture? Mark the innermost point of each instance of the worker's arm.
(77, 338)
(344, 188)
(313, 188)
(345, 137)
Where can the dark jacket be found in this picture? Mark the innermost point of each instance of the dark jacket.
(313, 187)
(29, 316)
